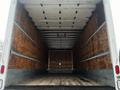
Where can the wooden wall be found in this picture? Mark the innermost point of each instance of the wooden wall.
(60, 56)
(93, 42)
(28, 51)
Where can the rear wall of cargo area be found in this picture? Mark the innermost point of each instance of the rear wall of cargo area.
(67, 55)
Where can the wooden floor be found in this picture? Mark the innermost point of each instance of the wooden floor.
(59, 79)
(58, 82)
(59, 88)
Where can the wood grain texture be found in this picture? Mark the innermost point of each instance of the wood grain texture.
(27, 41)
(25, 22)
(22, 44)
(60, 59)
(97, 44)
(17, 62)
(97, 63)
(59, 80)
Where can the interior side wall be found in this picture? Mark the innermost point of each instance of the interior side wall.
(60, 61)
(28, 53)
(91, 53)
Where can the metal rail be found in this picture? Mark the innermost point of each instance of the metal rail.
(25, 33)
(94, 34)
(24, 56)
(96, 56)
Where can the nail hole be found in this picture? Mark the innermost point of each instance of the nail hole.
(59, 5)
(43, 12)
(74, 17)
(59, 12)
(46, 22)
(59, 18)
(41, 4)
(78, 4)
(73, 22)
(76, 12)
(45, 18)
(59, 22)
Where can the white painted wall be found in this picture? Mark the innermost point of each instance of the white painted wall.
(113, 24)
(7, 12)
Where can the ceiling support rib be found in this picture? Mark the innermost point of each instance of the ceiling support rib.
(60, 21)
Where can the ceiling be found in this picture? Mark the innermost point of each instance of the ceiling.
(60, 21)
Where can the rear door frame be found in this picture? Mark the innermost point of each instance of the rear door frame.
(111, 37)
(4, 60)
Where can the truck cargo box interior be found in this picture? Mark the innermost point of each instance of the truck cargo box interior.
(60, 43)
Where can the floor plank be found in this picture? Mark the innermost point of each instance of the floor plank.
(59, 88)
(59, 79)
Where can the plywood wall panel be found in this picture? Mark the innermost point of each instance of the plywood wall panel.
(60, 56)
(26, 41)
(22, 63)
(92, 26)
(96, 45)
(26, 22)
(97, 63)
(22, 44)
